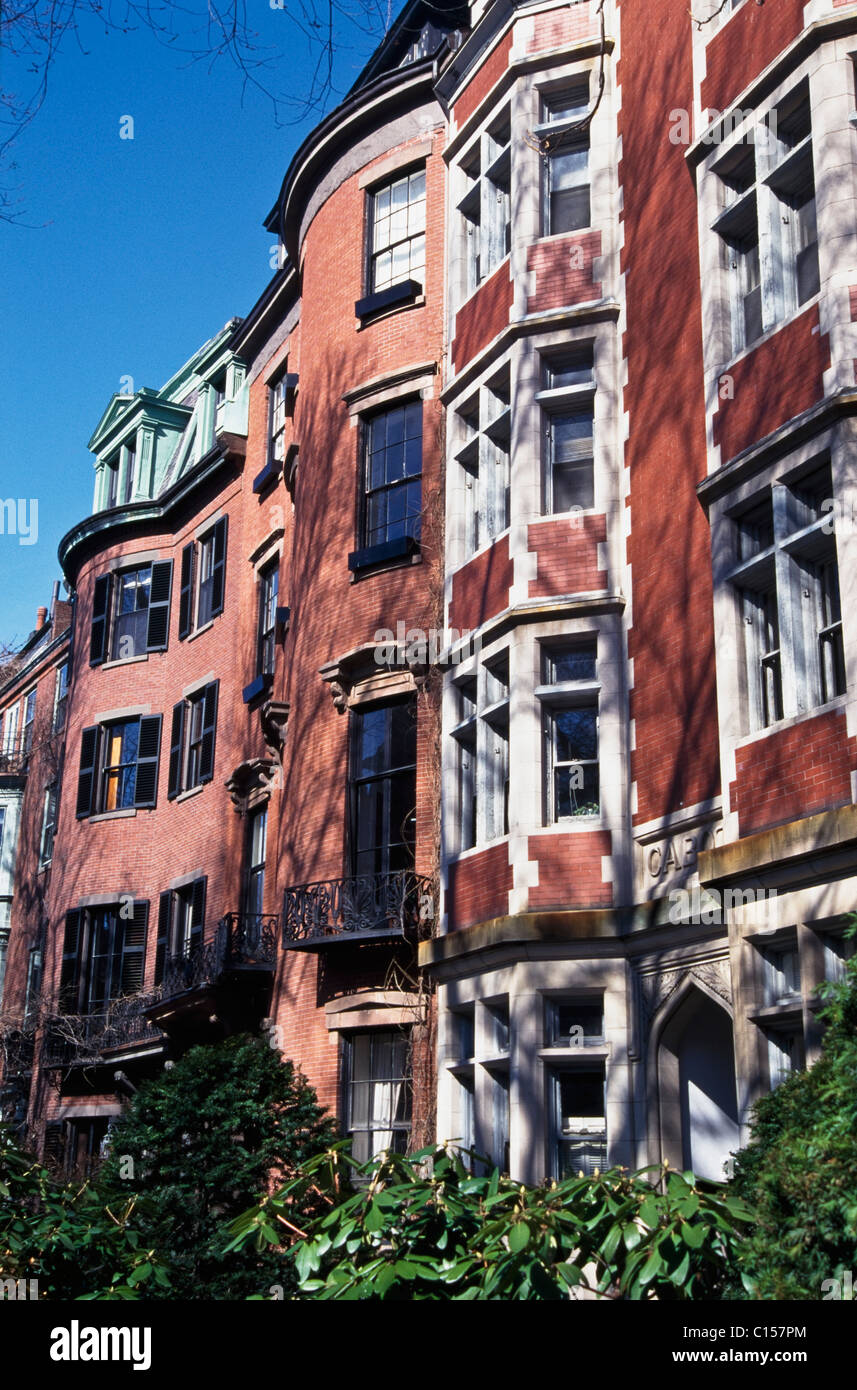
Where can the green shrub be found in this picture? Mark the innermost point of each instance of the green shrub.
(445, 1234)
(60, 1235)
(201, 1142)
(800, 1169)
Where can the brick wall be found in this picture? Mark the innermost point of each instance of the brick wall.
(563, 270)
(485, 314)
(779, 379)
(567, 556)
(560, 28)
(746, 44)
(570, 870)
(484, 79)
(480, 589)
(793, 772)
(676, 759)
(478, 887)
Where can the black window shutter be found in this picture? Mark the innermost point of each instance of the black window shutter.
(162, 945)
(70, 969)
(197, 911)
(98, 631)
(134, 948)
(218, 567)
(54, 1150)
(209, 721)
(148, 752)
(160, 592)
(174, 782)
(186, 592)
(86, 775)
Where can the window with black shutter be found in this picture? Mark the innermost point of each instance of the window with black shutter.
(104, 955)
(98, 631)
(86, 775)
(158, 632)
(186, 592)
(133, 962)
(209, 723)
(192, 734)
(218, 571)
(162, 944)
(174, 783)
(70, 967)
(148, 754)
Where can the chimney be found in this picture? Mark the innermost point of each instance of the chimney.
(41, 618)
(54, 597)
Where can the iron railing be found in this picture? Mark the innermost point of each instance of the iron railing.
(83, 1039)
(395, 904)
(241, 941)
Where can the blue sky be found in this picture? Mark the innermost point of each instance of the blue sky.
(129, 254)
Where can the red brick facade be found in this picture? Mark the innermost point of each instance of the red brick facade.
(478, 887)
(794, 772)
(779, 379)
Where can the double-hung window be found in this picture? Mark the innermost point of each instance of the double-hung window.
(104, 952)
(383, 787)
(119, 765)
(181, 925)
(203, 579)
(767, 222)
(28, 731)
(577, 1107)
(483, 457)
(63, 679)
(377, 1085)
(565, 141)
(269, 583)
(484, 205)
(278, 393)
(392, 473)
(194, 723)
(481, 737)
(786, 582)
(131, 618)
(567, 401)
(49, 825)
(397, 220)
(131, 612)
(257, 843)
(782, 973)
(569, 696)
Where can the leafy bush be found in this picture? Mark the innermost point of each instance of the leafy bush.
(800, 1168)
(446, 1234)
(61, 1235)
(201, 1142)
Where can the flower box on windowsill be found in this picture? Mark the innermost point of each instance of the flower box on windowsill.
(385, 299)
(257, 687)
(382, 554)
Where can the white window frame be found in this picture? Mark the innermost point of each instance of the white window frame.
(781, 583)
(554, 697)
(481, 740)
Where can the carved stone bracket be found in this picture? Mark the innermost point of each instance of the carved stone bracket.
(274, 718)
(372, 671)
(251, 783)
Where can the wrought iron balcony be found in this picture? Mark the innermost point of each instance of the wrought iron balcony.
(242, 941)
(79, 1040)
(361, 908)
(13, 761)
(17, 1053)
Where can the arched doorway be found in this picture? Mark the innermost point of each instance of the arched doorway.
(696, 1084)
